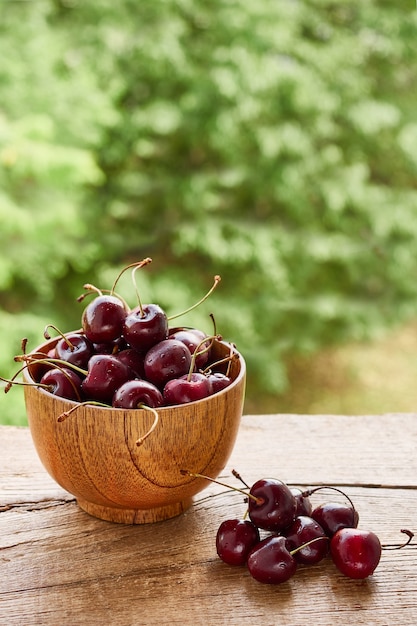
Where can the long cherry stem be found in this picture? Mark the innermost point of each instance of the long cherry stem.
(91, 289)
(199, 350)
(218, 482)
(133, 267)
(60, 365)
(60, 333)
(217, 279)
(135, 286)
(232, 356)
(308, 543)
(66, 414)
(38, 361)
(410, 536)
(239, 477)
(309, 492)
(140, 440)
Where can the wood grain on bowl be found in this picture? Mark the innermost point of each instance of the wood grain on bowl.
(93, 453)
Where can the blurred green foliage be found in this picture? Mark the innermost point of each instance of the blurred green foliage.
(273, 143)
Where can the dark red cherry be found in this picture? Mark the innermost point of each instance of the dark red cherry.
(167, 359)
(134, 393)
(133, 359)
(356, 553)
(300, 533)
(75, 349)
(102, 319)
(235, 539)
(145, 326)
(63, 382)
(192, 337)
(218, 381)
(332, 516)
(272, 506)
(304, 506)
(187, 388)
(105, 374)
(270, 562)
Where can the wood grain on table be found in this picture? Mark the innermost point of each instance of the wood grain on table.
(61, 566)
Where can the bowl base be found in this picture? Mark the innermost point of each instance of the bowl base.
(134, 516)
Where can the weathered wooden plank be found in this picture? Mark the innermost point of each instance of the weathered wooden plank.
(68, 568)
(22, 477)
(62, 566)
(303, 449)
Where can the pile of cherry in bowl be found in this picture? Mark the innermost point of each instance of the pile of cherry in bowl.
(130, 357)
(282, 530)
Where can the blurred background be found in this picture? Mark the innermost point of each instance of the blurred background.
(272, 143)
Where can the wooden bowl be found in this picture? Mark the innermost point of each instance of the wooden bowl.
(94, 456)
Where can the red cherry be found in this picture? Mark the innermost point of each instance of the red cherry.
(218, 381)
(76, 349)
(304, 506)
(167, 359)
(356, 553)
(134, 393)
(300, 534)
(270, 562)
(133, 359)
(332, 516)
(145, 326)
(102, 319)
(192, 337)
(271, 505)
(105, 374)
(187, 388)
(63, 382)
(235, 539)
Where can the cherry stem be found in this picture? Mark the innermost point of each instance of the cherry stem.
(218, 482)
(42, 361)
(137, 264)
(133, 267)
(309, 492)
(29, 357)
(410, 536)
(217, 279)
(239, 477)
(227, 359)
(142, 312)
(140, 441)
(214, 324)
(232, 356)
(92, 289)
(66, 414)
(60, 333)
(24, 344)
(68, 378)
(12, 381)
(197, 352)
(308, 543)
(57, 362)
(101, 292)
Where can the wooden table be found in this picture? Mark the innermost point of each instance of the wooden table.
(61, 566)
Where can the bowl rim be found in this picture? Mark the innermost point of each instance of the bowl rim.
(26, 374)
